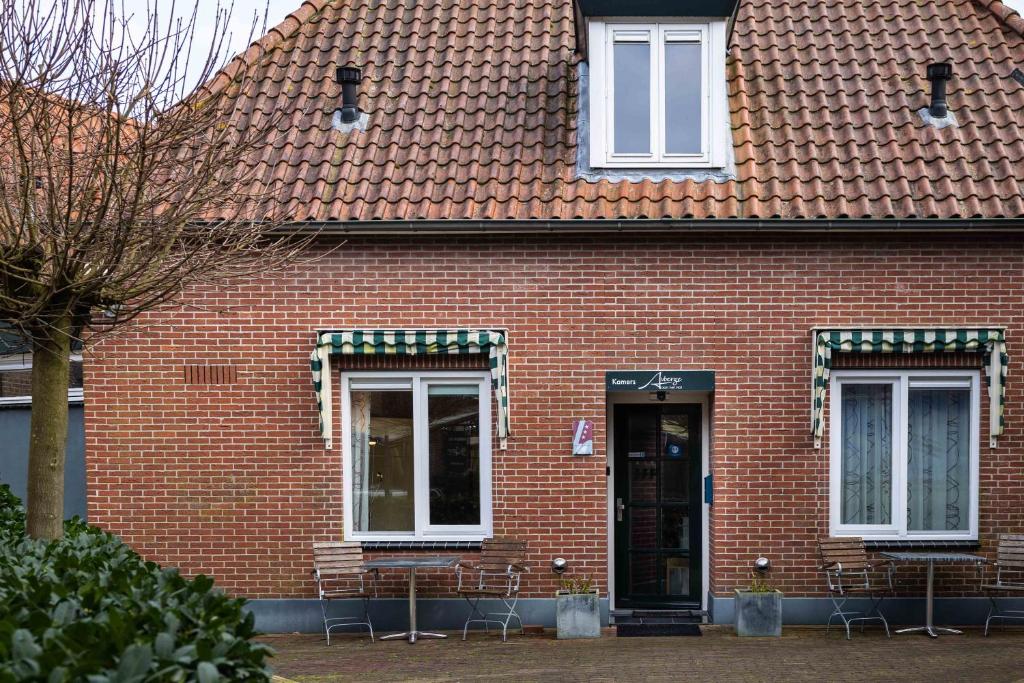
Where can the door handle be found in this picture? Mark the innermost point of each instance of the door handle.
(619, 507)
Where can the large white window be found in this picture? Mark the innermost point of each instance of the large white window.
(658, 94)
(904, 454)
(417, 455)
(16, 379)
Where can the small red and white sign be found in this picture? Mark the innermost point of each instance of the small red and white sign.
(582, 437)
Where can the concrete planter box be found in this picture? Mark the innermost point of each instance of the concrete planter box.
(578, 615)
(759, 614)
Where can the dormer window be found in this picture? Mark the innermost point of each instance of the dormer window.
(657, 94)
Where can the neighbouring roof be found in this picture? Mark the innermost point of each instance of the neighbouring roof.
(473, 114)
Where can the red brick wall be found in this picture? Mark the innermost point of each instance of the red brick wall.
(232, 480)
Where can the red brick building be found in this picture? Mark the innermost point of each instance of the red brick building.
(670, 227)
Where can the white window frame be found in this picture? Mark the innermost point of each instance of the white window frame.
(419, 381)
(24, 362)
(710, 33)
(901, 381)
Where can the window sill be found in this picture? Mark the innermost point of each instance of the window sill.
(896, 544)
(421, 545)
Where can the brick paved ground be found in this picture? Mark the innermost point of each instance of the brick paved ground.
(800, 655)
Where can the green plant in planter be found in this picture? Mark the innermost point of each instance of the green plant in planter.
(759, 584)
(578, 609)
(577, 585)
(86, 607)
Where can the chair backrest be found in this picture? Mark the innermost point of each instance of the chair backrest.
(1010, 554)
(333, 558)
(497, 554)
(849, 552)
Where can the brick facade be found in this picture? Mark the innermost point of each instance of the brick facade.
(232, 479)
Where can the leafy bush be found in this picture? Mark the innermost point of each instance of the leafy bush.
(88, 608)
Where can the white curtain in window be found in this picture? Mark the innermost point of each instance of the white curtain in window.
(938, 459)
(360, 406)
(867, 454)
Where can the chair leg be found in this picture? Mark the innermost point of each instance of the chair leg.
(323, 610)
(509, 616)
(366, 616)
(474, 612)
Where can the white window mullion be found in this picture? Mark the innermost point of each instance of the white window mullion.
(900, 444)
(421, 456)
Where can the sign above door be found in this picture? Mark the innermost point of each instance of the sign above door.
(660, 380)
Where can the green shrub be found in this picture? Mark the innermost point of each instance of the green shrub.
(88, 608)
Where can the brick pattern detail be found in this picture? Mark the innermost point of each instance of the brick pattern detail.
(233, 480)
(210, 374)
(872, 361)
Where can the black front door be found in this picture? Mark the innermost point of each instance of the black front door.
(657, 506)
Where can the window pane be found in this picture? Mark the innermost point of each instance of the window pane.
(382, 461)
(632, 85)
(14, 383)
(866, 493)
(18, 383)
(454, 426)
(682, 98)
(938, 459)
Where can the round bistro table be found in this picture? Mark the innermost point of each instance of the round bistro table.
(412, 564)
(931, 558)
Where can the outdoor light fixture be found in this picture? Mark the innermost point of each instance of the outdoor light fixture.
(762, 565)
(559, 565)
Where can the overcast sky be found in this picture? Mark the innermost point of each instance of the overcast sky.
(238, 27)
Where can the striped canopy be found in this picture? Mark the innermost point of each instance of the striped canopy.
(987, 341)
(408, 342)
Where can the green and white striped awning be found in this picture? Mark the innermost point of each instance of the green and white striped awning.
(984, 340)
(408, 342)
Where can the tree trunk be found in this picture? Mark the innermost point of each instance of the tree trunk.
(49, 431)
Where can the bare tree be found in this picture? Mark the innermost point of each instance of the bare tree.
(120, 185)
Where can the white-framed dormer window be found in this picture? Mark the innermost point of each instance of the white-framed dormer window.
(417, 455)
(658, 94)
(904, 454)
(16, 379)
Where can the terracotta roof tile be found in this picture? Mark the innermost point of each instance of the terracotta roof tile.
(473, 114)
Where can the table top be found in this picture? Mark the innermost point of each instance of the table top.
(929, 556)
(415, 562)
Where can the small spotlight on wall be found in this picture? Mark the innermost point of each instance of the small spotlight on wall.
(559, 565)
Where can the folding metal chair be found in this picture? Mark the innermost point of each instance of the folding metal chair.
(849, 574)
(495, 575)
(339, 573)
(1009, 581)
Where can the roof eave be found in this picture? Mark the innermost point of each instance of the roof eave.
(687, 225)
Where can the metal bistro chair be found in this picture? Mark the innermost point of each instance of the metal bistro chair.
(340, 574)
(495, 575)
(848, 574)
(1009, 566)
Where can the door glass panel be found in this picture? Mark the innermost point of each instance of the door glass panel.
(632, 86)
(643, 573)
(643, 481)
(675, 528)
(675, 480)
(866, 454)
(643, 527)
(642, 439)
(682, 98)
(453, 417)
(676, 573)
(382, 461)
(938, 459)
(675, 436)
